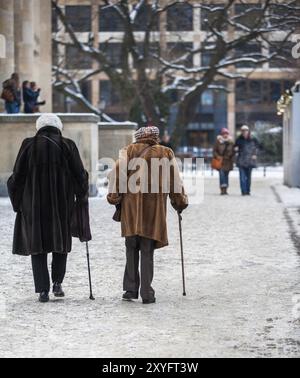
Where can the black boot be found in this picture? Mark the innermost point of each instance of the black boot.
(57, 290)
(44, 297)
(130, 295)
(149, 301)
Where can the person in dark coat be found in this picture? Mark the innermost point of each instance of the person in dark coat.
(247, 148)
(224, 149)
(166, 141)
(47, 176)
(30, 98)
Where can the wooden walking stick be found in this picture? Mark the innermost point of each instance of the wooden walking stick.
(89, 270)
(182, 255)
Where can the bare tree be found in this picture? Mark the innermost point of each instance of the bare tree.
(238, 34)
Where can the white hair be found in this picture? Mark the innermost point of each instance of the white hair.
(49, 119)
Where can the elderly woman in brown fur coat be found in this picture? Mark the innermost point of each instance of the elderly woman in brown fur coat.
(224, 150)
(144, 212)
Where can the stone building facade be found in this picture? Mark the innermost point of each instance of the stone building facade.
(25, 30)
(249, 101)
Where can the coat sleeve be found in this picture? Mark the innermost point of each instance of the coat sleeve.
(117, 175)
(16, 182)
(80, 175)
(216, 150)
(178, 197)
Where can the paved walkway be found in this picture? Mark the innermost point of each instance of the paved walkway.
(242, 281)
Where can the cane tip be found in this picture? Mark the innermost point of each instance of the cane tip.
(92, 298)
(184, 294)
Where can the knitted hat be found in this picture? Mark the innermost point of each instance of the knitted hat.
(224, 131)
(245, 128)
(49, 119)
(151, 132)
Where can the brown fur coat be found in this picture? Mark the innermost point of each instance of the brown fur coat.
(225, 148)
(145, 214)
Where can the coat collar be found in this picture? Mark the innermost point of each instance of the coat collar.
(49, 129)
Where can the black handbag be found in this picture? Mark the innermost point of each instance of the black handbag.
(118, 213)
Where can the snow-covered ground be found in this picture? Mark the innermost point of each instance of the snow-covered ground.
(242, 267)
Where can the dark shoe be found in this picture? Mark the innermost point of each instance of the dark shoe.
(149, 301)
(57, 290)
(129, 296)
(44, 297)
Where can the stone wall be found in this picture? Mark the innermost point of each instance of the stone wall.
(291, 137)
(82, 128)
(113, 137)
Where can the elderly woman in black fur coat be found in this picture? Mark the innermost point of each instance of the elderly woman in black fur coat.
(47, 177)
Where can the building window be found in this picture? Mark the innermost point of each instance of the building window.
(208, 55)
(248, 14)
(279, 12)
(54, 21)
(143, 19)
(179, 50)
(77, 60)
(284, 59)
(180, 17)
(86, 89)
(110, 20)
(248, 50)
(153, 49)
(260, 91)
(207, 98)
(212, 16)
(113, 52)
(108, 96)
(80, 17)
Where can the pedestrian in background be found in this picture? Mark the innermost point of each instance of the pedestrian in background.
(31, 94)
(224, 151)
(47, 177)
(143, 214)
(247, 149)
(34, 87)
(11, 94)
(166, 140)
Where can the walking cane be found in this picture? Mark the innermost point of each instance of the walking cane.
(182, 256)
(89, 269)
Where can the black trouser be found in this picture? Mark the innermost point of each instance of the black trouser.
(41, 272)
(132, 280)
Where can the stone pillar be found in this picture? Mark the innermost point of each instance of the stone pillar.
(24, 38)
(43, 59)
(231, 106)
(7, 31)
(291, 142)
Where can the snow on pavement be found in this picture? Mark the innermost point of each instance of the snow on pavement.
(243, 287)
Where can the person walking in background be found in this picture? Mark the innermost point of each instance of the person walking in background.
(224, 151)
(247, 149)
(143, 214)
(166, 140)
(47, 176)
(11, 94)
